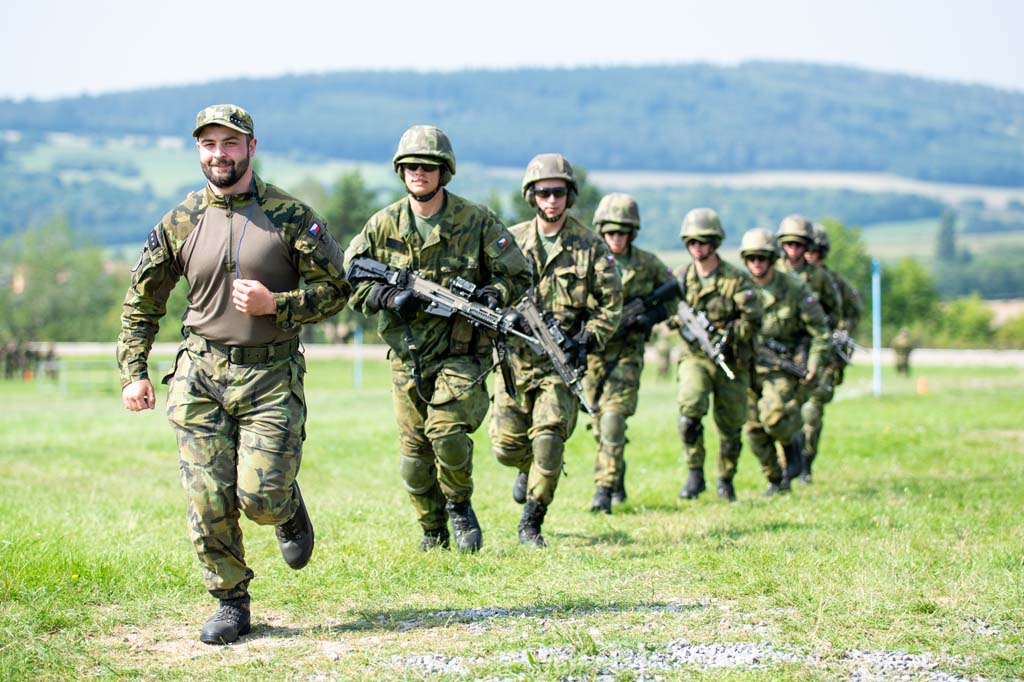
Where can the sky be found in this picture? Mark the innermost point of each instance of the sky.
(60, 48)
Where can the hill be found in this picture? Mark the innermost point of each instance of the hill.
(694, 117)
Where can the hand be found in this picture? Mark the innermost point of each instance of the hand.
(812, 375)
(138, 396)
(402, 302)
(252, 298)
(489, 296)
(583, 343)
(515, 320)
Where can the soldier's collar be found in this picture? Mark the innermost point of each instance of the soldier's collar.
(234, 201)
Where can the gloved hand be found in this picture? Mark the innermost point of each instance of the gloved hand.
(583, 343)
(647, 319)
(489, 296)
(516, 320)
(402, 302)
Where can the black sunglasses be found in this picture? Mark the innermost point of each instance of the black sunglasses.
(756, 258)
(425, 167)
(545, 192)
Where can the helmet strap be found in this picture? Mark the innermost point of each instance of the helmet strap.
(545, 218)
(422, 198)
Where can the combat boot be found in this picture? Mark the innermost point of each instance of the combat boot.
(519, 487)
(529, 525)
(602, 501)
(619, 491)
(725, 490)
(805, 472)
(794, 457)
(774, 488)
(230, 622)
(295, 536)
(434, 538)
(694, 485)
(468, 536)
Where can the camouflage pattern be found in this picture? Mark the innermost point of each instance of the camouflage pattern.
(702, 224)
(470, 242)
(425, 144)
(580, 285)
(616, 211)
(549, 167)
(318, 260)
(729, 300)
(902, 345)
(238, 455)
(791, 314)
(618, 367)
(227, 115)
(795, 228)
(820, 284)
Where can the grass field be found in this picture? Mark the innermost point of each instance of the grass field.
(902, 561)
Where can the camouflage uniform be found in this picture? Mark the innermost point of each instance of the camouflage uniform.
(579, 284)
(728, 300)
(236, 402)
(902, 345)
(435, 457)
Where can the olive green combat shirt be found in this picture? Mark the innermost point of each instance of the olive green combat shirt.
(282, 243)
(852, 307)
(791, 314)
(469, 241)
(821, 285)
(641, 273)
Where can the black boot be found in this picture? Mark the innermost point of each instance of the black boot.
(295, 536)
(725, 490)
(434, 538)
(468, 536)
(619, 491)
(775, 487)
(529, 525)
(519, 487)
(805, 472)
(602, 501)
(794, 457)
(694, 485)
(230, 622)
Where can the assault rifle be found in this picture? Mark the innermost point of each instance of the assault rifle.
(551, 341)
(771, 353)
(843, 346)
(441, 301)
(696, 327)
(636, 307)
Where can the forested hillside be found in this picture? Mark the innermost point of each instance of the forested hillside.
(695, 117)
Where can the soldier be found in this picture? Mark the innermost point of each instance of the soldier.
(613, 375)
(575, 279)
(796, 237)
(438, 364)
(813, 411)
(725, 294)
(791, 312)
(259, 265)
(902, 345)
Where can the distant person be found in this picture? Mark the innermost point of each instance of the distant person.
(612, 381)
(902, 345)
(50, 365)
(259, 264)
(438, 364)
(576, 280)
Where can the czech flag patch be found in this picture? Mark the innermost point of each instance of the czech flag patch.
(610, 258)
(314, 229)
(502, 242)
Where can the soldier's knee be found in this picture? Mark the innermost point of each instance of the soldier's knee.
(418, 474)
(613, 428)
(548, 449)
(454, 452)
(270, 506)
(511, 457)
(690, 429)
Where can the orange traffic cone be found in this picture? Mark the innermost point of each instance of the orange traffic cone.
(922, 386)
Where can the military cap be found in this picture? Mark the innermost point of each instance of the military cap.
(227, 115)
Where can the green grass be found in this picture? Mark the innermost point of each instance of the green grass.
(910, 540)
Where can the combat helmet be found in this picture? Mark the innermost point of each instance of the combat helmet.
(795, 228)
(758, 240)
(704, 225)
(426, 144)
(615, 212)
(549, 167)
(822, 243)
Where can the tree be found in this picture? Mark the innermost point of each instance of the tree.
(908, 294)
(945, 238)
(349, 206)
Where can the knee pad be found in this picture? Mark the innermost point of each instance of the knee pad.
(547, 453)
(690, 429)
(418, 475)
(454, 452)
(613, 428)
(511, 458)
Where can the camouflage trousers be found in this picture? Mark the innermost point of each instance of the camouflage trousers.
(619, 390)
(544, 412)
(773, 416)
(240, 430)
(435, 450)
(699, 379)
(813, 411)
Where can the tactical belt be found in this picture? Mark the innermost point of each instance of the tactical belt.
(244, 355)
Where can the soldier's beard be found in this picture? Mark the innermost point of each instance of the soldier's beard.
(237, 170)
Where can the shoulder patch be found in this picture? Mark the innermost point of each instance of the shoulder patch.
(393, 243)
(152, 242)
(809, 300)
(502, 242)
(610, 258)
(748, 294)
(315, 229)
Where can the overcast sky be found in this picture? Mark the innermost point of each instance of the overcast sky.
(54, 48)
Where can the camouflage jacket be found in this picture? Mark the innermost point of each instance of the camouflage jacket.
(727, 299)
(315, 257)
(852, 308)
(578, 283)
(469, 242)
(792, 314)
(644, 273)
(821, 285)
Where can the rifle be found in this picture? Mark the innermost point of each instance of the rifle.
(441, 301)
(843, 346)
(549, 339)
(696, 327)
(638, 306)
(771, 353)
